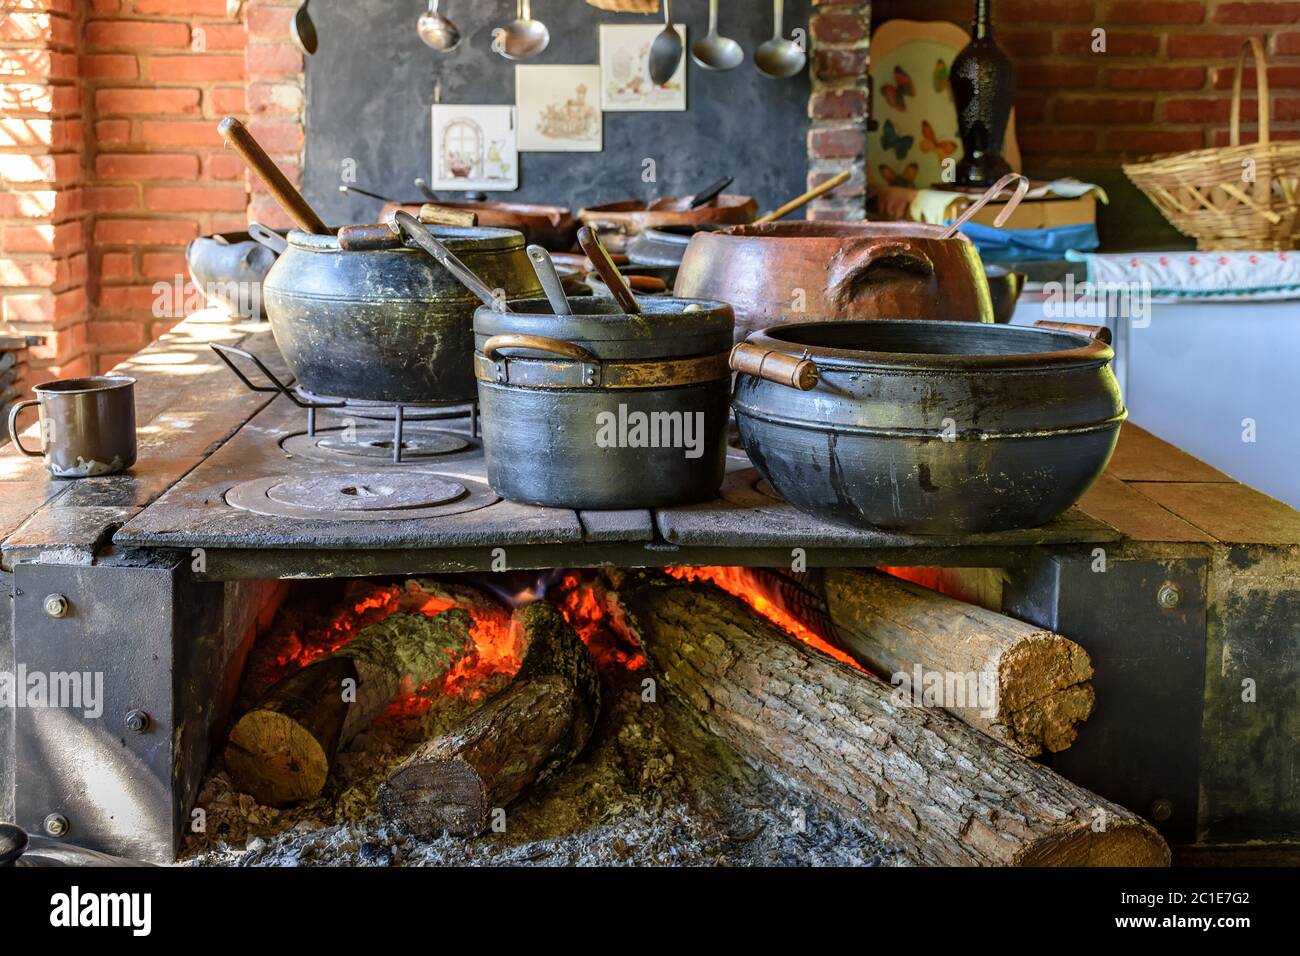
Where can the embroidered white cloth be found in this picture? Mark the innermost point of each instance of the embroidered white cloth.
(1200, 275)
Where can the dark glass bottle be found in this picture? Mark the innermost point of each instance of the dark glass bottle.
(984, 87)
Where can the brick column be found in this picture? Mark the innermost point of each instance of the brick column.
(275, 99)
(838, 106)
(42, 228)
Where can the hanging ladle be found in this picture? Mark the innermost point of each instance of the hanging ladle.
(303, 30)
(715, 52)
(779, 57)
(666, 50)
(418, 234)
(436, 30)
(523, 36)
(1022, 187)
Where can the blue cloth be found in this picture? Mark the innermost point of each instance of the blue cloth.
(1030, 245)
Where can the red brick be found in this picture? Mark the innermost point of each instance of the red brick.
(277, 137)
(269, 22)
(228, 99)
(1030, 107)
(273, 59)
(219, 36)
(1257, 14)
(1156, 78)
(1158, 12)
(137, 35)
(1132, 142)
(180, 133)
(1025, 42)
(275, 99)
(155, 101)
(145, 232)
(856, 186)
(146, 166)
(1202, 46)
(195, 198)
(1102, 110)
(836, 143)
(1051, 139)
(111, 198)
(1287, 44)
(44, 271)
(159, 265)
(1280, 76)
(116, 66)
(112, 132)
(223, 166)
(1117, 43)
(838, 104)
(212, 68)
(839, 64)
(838, 27)
(117, 265)
(1205, 110)
(1054, 76)
(1043, 11)
(108, 361)
(118, 334)
(123, 298)
(184, 8)
(262, 208)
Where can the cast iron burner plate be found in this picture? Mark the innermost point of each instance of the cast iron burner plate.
(368, 496)
(374, 446)
(384, 411)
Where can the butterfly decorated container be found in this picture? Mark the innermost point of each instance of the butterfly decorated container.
(915, 143)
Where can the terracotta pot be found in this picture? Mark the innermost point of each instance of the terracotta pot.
(822, 271)
(552, 227)
(618, 222)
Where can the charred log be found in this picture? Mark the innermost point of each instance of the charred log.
(923, 779)
(517, 740)
(281, 751)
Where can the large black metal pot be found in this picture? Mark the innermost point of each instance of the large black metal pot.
(924, 426)
(601, 409)
(389, 325)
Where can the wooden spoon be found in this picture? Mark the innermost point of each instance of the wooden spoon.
(605, 268)
(803, 200)
(290, 200)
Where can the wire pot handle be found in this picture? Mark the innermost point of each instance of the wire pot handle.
(1022, 186)
(1261, 91)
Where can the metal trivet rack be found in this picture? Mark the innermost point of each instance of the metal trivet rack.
(365, 408)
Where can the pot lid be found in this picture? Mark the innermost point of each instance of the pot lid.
(915, 344)
(826, 229)
(667, 326)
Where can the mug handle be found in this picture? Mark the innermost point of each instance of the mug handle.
(13, 427)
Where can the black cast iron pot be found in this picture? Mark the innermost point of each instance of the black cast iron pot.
(601, 409)
(389, 325)
(924, 426)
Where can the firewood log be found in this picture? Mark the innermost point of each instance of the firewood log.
(944, 793)
(281, 751)
(1040, 682)
(517, 740)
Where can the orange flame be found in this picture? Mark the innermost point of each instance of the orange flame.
(757, 593)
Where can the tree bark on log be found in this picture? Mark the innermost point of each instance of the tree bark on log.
(281, 751)
(944, 793)
(1036, 685)
(518, 739)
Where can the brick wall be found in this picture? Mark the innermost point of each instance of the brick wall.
(1164, 82)
(111, 161)
(837, 108)
(43, 265)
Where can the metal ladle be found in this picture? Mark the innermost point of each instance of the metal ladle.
(436, 30)
(714, 52)
(523, 36)
(1022, 187)
(779, 57)
(666, 50)
(303, 30)
(415, 231)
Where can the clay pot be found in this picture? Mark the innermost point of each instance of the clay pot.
(617, 223)
(823, 271)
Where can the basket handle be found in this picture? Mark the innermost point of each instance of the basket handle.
(1261, 88)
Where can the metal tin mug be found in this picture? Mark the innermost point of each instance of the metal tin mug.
(87, 425)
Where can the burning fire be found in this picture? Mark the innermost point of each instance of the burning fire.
(582, 606)
(755, 591)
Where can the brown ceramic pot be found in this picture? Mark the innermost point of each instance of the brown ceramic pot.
(617, 223)
(823, 271)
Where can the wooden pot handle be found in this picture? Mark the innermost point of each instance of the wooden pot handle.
(536, 343)
(1099, 333)
(773, 366)
(852, 269)
(291, 201)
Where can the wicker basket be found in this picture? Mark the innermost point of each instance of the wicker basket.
(1233, 197)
